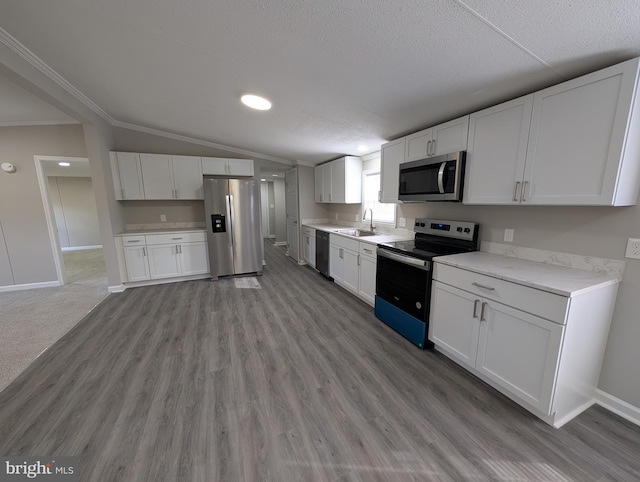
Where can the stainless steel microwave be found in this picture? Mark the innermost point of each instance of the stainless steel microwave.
(438, 178)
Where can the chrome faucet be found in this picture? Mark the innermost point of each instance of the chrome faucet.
(364, 218)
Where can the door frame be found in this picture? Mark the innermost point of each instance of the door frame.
(48, 210)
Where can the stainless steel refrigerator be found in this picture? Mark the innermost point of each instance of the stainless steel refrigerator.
(232, 212)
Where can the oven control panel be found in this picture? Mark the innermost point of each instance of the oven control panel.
(450, 229)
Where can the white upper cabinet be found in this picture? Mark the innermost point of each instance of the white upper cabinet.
(496, 152)
(156, 176)
(187, 177)
(127, 175)
(581, 146)
(441, 139)
(222, 166)
(392, 155)
(339, 181)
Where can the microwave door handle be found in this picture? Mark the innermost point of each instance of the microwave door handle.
(441, 177)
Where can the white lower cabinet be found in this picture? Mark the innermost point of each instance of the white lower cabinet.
(163, 256)
(541, 349)
(135, 258)
(309, 245)
(367, 273)
(352, 265)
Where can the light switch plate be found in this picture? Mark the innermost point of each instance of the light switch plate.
(163, 218)
(508, 235)
(403, 222)
(633, 249)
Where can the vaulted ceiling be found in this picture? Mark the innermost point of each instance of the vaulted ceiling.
(340, 74)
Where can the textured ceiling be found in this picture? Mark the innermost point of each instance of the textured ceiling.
(339, 73)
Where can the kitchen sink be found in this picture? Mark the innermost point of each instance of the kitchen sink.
(356, 232)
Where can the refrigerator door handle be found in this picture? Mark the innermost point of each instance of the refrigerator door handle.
(230, 218)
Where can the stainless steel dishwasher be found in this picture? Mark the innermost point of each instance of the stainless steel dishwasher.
(322, 252)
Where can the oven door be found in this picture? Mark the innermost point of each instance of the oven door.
(405, 282)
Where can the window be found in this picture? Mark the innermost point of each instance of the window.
(382, 212)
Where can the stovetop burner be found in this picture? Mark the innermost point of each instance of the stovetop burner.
(435, 237)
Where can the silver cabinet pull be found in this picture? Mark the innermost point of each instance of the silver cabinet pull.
(475, 308)
(433, 147)
(358, 260)
(524, 188)
(176, 239)
(483, 286)
(428, 148)
(341, 253)
(484, 305)
(515, 191)
(370, 251)
(178, 249)
(144, 251)
(133, 241)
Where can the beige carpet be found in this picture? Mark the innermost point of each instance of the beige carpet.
(33, 320)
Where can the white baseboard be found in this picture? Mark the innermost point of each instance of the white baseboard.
(30, 286)
(116, 288)
(619, 407)
(80, 248)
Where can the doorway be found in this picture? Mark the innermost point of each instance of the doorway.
(293, 227)
(72, 218)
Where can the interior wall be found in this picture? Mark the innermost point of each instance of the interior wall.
(74, 208)
(148, 212)
(271, 208)
(21, 210)
(309, 209)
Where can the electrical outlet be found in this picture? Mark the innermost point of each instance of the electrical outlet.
(508, 235)
(633, 249)
(403, 222)
(163, 218)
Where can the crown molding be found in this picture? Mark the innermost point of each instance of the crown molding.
(23, 52)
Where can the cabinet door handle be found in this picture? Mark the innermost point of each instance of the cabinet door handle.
(475, 308)
(358, 260)
(134, 241)
(483, 286)
(515, 191)
(176, 239)
(428, 148)
(369, 251)
(144, 251)
(484, 305)
(341, 253)
(524, 188)
(178, 249)
(433, 147)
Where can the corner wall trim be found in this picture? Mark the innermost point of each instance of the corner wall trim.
(30, 286)
(116, 288)
(619, 407)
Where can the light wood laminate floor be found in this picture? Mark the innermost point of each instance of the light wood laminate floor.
(297, 380)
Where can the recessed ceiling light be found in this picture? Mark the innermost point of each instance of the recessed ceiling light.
(263, 180)
(255, 102)
(362, 148)
(274, 175)
(64, 164)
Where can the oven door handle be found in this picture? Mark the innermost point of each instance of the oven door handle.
(420, 263)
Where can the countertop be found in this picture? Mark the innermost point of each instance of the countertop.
(378, 238)
(139, 232)
(543, 276)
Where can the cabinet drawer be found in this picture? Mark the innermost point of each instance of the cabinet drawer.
(344, 242)
(540, 303)
(133, 241)
(174, 238)
(307, 231)
(367, 249)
